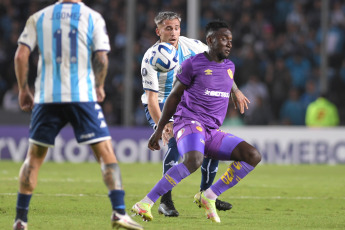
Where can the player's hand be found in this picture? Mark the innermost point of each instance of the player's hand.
(153, 141)
(240, 101)
(26, 100)
(167, 133)
(100, 94)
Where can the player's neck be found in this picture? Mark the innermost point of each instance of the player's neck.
(213, 57)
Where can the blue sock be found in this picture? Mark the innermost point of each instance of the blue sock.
(171, 156)
(117, 199)
(209, 170)
(23, 202)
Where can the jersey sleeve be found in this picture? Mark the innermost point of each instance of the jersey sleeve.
(148, 74)
(29, 35)
(185, 72)
(201, 47)
(100, 35)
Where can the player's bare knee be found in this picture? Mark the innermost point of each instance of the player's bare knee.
(193, 161)
(253, 157)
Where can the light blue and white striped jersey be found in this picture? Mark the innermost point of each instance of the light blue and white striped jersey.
(66, 35)
(163, 82)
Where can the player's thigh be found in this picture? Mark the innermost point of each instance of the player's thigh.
(88, 122)
(220, 145)
(46, 122)
(104, 152)
(190, 136)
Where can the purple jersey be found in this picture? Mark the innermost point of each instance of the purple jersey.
(208, 90)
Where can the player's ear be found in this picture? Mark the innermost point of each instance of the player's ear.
(158, 32)
(209, 40)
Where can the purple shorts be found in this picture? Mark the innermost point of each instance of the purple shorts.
(213, 143)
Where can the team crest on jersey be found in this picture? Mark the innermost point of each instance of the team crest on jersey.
(144, 72)
(208, 72)
(230, 73)
(180, 132)
(199, 128)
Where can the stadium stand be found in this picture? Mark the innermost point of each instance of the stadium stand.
(277, 40)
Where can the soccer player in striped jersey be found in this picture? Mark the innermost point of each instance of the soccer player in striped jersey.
(73, 44)
(199, 102)
(158, 85)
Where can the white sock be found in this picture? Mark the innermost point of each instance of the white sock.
(210, 194)
(147, 200)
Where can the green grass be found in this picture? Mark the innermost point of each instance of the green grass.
(73, 196)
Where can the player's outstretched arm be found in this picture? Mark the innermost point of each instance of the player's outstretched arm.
(168, 111)
(21, 66)
(240, 101)
(153, 105)
(100, 69)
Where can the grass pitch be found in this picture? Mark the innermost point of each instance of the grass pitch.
(73, 196)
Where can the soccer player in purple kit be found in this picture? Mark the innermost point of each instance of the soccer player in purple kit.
(199, 102)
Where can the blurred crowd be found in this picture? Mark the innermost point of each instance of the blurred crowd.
(276, 50)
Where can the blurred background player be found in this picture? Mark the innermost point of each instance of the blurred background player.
(158, 85)
(69, 84)
(200, 97)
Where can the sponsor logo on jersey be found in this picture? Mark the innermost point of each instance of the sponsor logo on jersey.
(230, 74)
(216, 93)
(196, 122)
(144, 72)
(199, 128)
(208, 72)
(180, 132)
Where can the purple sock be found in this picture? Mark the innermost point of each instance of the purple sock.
(169, 180)
(235, 172)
